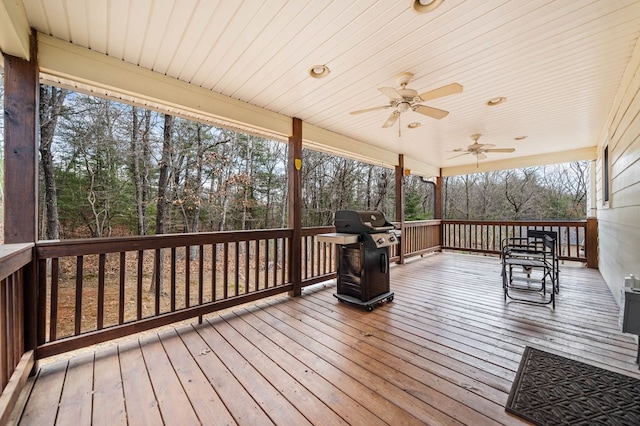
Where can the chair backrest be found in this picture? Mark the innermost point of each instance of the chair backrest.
(548, 238)
(550, 243)
(536, 233)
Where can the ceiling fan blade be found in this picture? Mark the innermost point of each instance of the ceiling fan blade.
(392, 119)
(431, 112)
(481, 156)
(500, 150)
(447, 90)
(370, 109)
(459, 155)
(390, 92)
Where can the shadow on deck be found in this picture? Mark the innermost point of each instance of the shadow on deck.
(445, 351)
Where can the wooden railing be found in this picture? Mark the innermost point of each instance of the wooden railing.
(16, 359)
(487, 236)
(318, 258)
(100, 289)
(420, 237)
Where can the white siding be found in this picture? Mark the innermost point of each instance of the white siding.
(619, 219)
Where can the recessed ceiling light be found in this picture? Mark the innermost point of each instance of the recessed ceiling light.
(319, 71)
(426, 6)
(496, 101)
(414, 125)
(519, 138)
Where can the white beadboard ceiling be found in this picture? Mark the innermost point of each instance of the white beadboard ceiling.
(559, 63)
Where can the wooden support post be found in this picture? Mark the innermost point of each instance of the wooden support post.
(437, 214)
(591, 242)
(400, 205)
(21, 133)
(294, 170)
(21, 140)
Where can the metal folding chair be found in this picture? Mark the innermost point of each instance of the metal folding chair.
(532, 255)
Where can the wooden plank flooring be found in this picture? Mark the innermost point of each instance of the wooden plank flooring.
(445, 351)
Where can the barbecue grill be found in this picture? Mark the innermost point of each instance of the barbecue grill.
(363, 239)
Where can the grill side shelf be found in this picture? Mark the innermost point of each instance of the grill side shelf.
(338, 238)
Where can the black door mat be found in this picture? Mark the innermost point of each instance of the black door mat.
(553, 390)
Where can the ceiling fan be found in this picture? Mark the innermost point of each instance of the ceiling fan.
(404, 99)
(479, 149)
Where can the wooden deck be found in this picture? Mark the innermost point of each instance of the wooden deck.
(445, 351)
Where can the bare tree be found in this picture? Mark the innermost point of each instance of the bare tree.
(519, 190)
(163, 179)
(161, 202)
(140, 157)
(51, 103)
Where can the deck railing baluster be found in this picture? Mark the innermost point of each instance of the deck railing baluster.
(157, 275)
(236, 262)
(283, 262)
(214, 270)
(78, 307)
(225, 291)
(53, 313)
(121, 287)
(275, 262)
(187, 276)
(246, 267)
(139, 286)
(173, 279)
(200, 278)
(101, 262)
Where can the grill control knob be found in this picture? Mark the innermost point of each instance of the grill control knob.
(380, 240)
(392, 238)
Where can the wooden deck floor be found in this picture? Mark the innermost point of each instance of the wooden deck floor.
(445, 351)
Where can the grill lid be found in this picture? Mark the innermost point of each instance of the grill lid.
(361, 222)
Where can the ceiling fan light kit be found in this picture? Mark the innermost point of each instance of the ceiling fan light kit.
(479, 149)
(404, 99)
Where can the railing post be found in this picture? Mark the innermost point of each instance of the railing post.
(294, 170)
(400, 206)
(591, 242)
(437, 213)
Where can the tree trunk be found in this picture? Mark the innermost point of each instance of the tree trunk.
(161, 204)
(146, 159)
(135, 170)
(51, 101)
(199, 169)
(163, 179)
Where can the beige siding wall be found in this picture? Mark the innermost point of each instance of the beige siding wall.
(619, 218)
